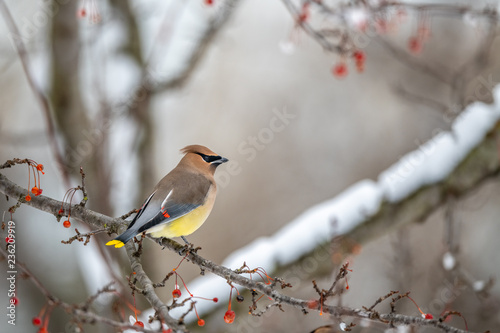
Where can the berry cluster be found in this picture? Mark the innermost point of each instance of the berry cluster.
(36, 169)
(339, 27)
(177, 293)
(340, 70)
(68, 196)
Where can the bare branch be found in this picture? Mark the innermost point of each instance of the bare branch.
(380, 299)
(80, 237)
(149, 290)
(52, 206)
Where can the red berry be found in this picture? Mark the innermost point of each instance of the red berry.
(415, 45)
(8, 239)
(81, 12)
(201, 322)
(209, 2)
(215, 299)
(167, 331)
(39, 167)
(28, 198)
(14, 300)
(139, 323)
(67, 224)
(428, 316)
(340, 70)
(304, 13)
(229, 316)
(176, 293)
(36, 191)
(359, 56)
(60, 212)
(36, 321)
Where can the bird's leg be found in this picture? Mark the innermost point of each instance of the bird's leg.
(160, 242)
(189, 247)
(186, 247)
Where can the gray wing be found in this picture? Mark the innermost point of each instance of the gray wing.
(171, 200)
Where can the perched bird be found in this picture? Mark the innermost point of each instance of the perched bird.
(181, 201)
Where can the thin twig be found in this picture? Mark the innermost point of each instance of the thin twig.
(80, 237)
(84, 190)
(380, 299)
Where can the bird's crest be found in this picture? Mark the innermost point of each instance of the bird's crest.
(195, 149)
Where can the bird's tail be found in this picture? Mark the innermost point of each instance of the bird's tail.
(122, 239)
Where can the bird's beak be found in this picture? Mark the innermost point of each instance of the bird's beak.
(220, 161)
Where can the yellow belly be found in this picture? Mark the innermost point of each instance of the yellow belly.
(184, 225)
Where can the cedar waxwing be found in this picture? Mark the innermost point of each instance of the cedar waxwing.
(181, 201)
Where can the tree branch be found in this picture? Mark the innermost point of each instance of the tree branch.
(149, 291)
(52, 206)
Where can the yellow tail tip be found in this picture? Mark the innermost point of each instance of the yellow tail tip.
(116, 243)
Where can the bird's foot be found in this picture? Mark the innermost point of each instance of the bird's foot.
(160, 242)
(189, 247)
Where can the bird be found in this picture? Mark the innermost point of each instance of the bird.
(181, 202)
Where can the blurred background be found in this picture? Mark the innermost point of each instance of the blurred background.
(132, 82)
